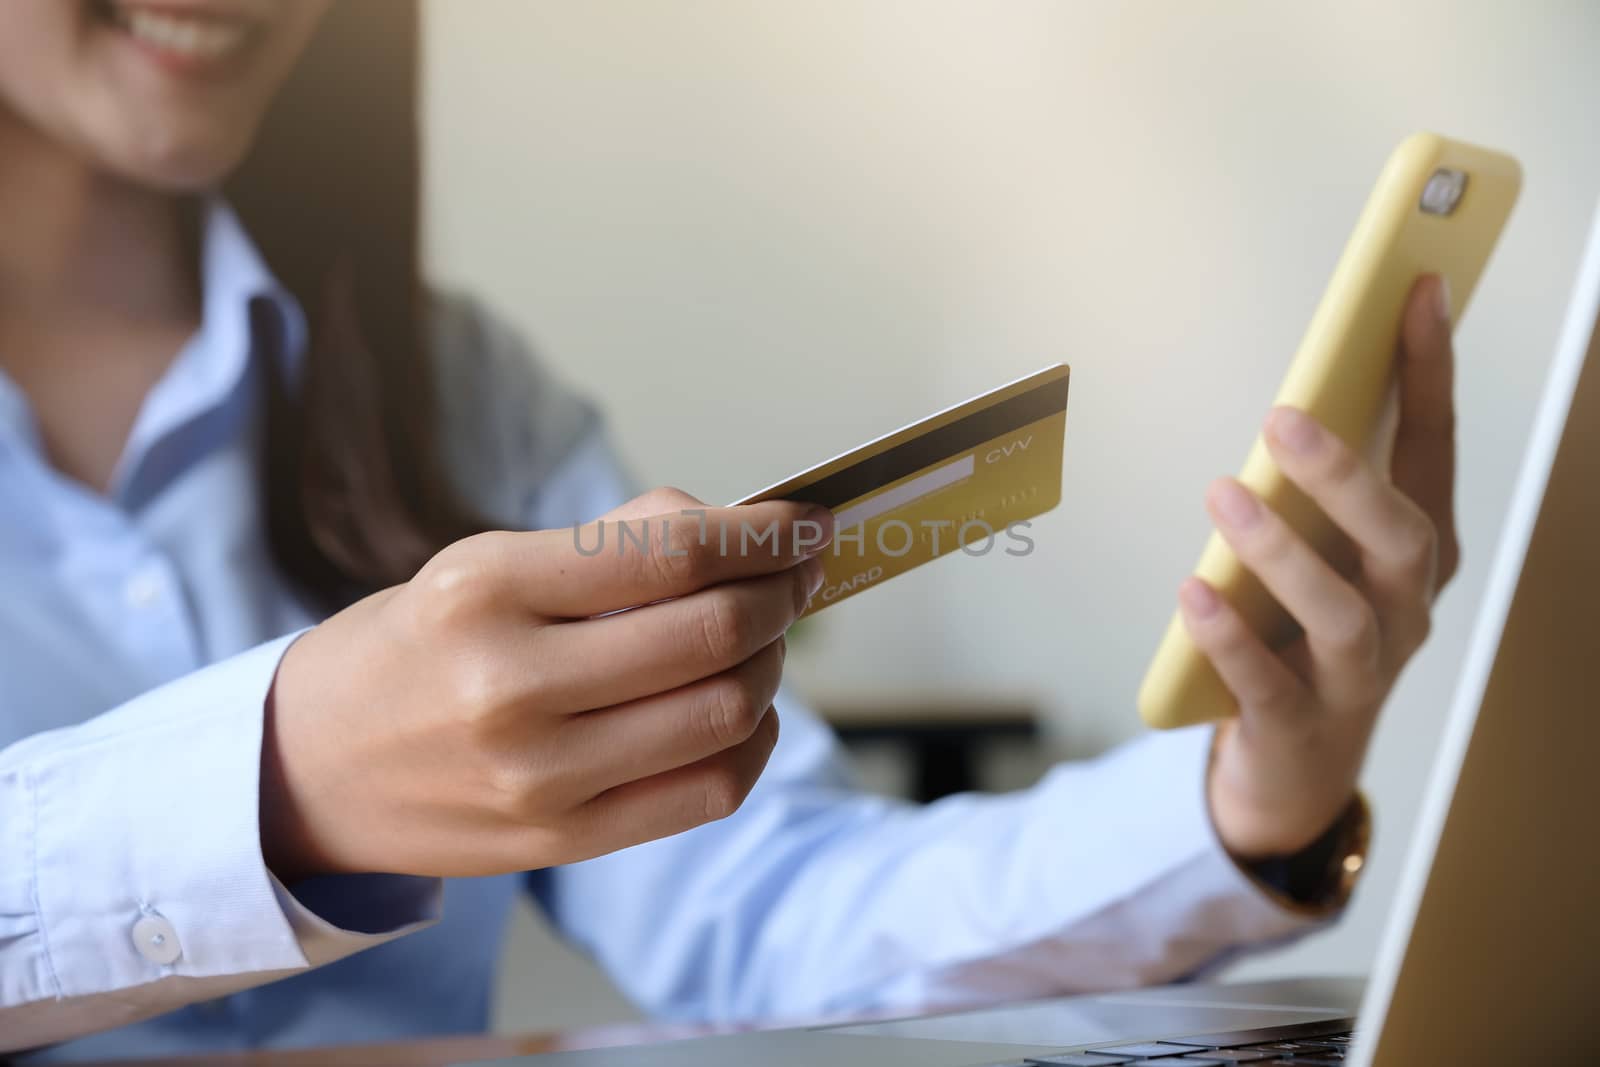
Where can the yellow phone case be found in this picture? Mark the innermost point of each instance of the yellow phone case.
(1341, 375)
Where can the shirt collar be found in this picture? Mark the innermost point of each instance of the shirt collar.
(233, 276)
(15, 418)
(233, 279)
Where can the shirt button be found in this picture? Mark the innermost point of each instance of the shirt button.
(143, 589)
(156, 939)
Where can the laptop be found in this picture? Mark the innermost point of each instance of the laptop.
(1492, 951)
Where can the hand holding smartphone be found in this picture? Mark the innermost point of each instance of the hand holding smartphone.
(1437, 208)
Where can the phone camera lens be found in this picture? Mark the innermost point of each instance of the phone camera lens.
(1443, 191)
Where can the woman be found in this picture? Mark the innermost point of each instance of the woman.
(261, 688)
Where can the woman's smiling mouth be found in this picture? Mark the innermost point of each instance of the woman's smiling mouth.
(184, 38)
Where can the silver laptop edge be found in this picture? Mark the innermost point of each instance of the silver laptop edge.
(1549, 430)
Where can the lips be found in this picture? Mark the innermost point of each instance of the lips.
(184, 36)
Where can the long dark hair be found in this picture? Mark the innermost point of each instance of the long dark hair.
(356, 491)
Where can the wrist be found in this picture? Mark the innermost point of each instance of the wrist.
(286, 843)
(280, 848)
(1321, 876)
(1305, 861)
(1260, 815)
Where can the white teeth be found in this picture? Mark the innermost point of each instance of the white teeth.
(193, 37)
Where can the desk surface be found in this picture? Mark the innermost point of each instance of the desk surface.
(432, 1052)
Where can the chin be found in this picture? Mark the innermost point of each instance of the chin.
(180, 164)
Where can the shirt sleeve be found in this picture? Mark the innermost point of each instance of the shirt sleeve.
(816, 899)
(131, 875)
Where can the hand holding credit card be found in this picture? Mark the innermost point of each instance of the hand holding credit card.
(964, 478)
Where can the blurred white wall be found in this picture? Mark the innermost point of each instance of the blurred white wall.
(762, 232)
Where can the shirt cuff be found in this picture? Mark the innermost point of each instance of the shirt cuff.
(337, 915)
(1205, 891)
(1147, 890)
(132, 850)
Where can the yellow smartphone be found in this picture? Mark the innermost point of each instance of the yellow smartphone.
(1437, 208)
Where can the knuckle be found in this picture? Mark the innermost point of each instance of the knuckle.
(733, 711)
(665, 498)
(1353, 629)
(655, 570)
(454, 587)
(723, 792)
(478, 689)
(768, 728)
(723, 624)
(510, 789)
(1419, 541)
(528, 789)
(677, 559)
(1342, 465)
(1273, 545)
(689, 555)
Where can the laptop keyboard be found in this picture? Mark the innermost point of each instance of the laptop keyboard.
(1300, 1045)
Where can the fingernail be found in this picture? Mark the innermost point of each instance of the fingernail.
(822, 518)
(1198, 598)
(1237, 504)
(812, 568)
(1295, 430)
(1441, 299)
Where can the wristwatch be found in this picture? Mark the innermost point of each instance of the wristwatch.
(1320, 877)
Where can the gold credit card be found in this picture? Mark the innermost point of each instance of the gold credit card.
(968, 478)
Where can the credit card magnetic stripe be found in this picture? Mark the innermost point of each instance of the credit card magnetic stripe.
(957, 470)
(892, 464)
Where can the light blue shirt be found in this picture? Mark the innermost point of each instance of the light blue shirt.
(140, 630)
